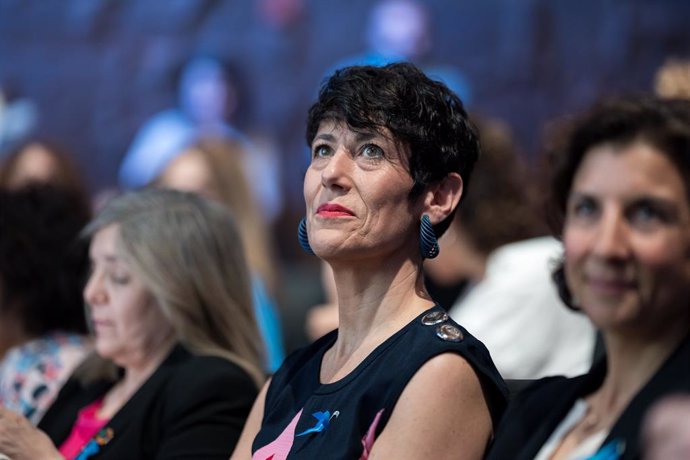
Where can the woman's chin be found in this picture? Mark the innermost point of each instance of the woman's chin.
(106, 350)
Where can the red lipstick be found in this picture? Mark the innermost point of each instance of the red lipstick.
(333, 210)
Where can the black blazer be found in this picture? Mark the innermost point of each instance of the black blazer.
(192, 407)
(534, 414)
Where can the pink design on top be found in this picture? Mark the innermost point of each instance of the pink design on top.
(280, 448)
(84, 428)
(368, 439)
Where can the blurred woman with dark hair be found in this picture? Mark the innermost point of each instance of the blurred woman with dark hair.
(42, 322)
(40, 161)
(621, 202)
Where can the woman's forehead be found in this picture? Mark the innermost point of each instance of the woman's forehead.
(632, 168)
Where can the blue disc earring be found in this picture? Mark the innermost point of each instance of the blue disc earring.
(428, 243)
(302, 236)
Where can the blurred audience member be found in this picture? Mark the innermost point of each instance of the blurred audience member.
(401, 30)
(280, 14)
(176, 363)
(510, 304)
(17, 119)
(208, 98)
(619, 194)
(666, 429)
(41, 161)
(213, 168)
(42, 268)
(672, 80)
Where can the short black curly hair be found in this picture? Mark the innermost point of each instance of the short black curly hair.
(43, 263)
(662, 123)
(423, 115)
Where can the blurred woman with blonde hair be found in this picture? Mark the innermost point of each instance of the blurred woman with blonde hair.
(215, 168)
(177, 364)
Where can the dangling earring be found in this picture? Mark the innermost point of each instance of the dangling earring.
(428, 244)
(302, 236)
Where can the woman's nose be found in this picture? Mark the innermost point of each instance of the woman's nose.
(612, 240)
(337, 171)
(94, 294)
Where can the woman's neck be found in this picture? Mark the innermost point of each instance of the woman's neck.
(135, 375)
(374, 303)
(631, 362)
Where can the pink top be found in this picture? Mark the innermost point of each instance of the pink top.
(85, 428)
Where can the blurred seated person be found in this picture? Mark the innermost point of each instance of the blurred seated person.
(672, 80)
(510, 302)
(213, 168)
(18, 117)
(402, 30)
(176, 364)
(620, 196)
(42, 321)
(45, 162)
(208, 97)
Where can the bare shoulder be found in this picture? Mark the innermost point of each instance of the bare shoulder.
(448, 380)
(440, 414)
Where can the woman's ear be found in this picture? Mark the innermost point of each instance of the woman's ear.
(442, 197)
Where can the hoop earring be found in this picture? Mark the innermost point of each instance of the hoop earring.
(303, 238)
(428, 244)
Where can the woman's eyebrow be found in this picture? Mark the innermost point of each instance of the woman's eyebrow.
(366, 136)
(579, 195)
(325, 137)
(661, 202)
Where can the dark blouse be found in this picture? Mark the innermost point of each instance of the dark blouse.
(192, 407)
(306, 419)
(534, 414)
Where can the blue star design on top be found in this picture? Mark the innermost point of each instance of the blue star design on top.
(611, 451)
(323, 420)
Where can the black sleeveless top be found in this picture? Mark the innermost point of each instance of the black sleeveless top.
(306, 419)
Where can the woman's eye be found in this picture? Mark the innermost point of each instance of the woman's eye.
(117, 278)
(321, 151)
(372, 151)
(646, 213)
(584, 207)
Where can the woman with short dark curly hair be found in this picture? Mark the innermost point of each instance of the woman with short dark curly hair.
(392, 152)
